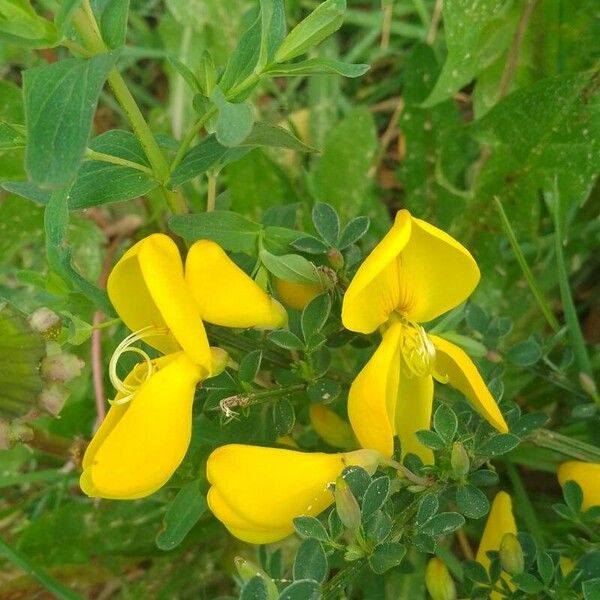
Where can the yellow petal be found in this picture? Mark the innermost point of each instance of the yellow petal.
(147, 288)
(331, 427)
(225, 294)
(499, 521)
(296, 295)
(453, 366)
(374, 291)
(138, 448)
(373, 394)
(257, 492)
(413, 413)
(587, 475)
(437, 273)
(417, 269)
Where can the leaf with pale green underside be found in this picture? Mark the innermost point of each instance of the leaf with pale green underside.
(234, 121)
(318, 66)
(60, 100)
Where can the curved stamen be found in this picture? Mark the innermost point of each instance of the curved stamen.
(126, 389)
(417, 349)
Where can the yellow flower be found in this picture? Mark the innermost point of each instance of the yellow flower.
(587, 475)
(438, 581)
(257, 492)
(416, 273)
(147, 431)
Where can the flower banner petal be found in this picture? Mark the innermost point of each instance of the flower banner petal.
(436, 273)
(373, 394)
(413, 413)
(225, 294)
(147, 288)
(257, 492)
(374, 291)
(141, 443)
(453, 366)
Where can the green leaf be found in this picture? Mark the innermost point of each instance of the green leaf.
(353, 232)
(591, 589)
(310, 245)
(22, 26)
(472, 502)
(304, 589)
(358, 480)
(498, 445)
(64, 14)
(198, 160)
(342, 175)
(428, 506)
(323, 391)
(314, 316)
(249, 366)
(60, 100)
(475, 572)
(267, 134)
(386, 556)
(272, 30)
(243, 59)
(525, 353)
(113, 22)
(311, 561)
(284, 417)
(443, 523)
(318, 25)
(573, 496)
(182, 514)
(445, 423)
(471, 48)
(230, 230)
(286, 339)
(326, 222)
(12, 136)
(375, 496)
(431, 439)
(310, 527)
(318, 66)
(290, 267)
(255, 589)
(378, 527)
(58, 251)
(528, 583)
(234, 121)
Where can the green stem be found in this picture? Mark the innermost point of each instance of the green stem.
(212, 193)
(116, 160)
(106, 324)
(333, 589)
(533, 286)
(565, 445)
(251, 398)
(190, 135)
(571, 318)
(53, 586)
(85, 23)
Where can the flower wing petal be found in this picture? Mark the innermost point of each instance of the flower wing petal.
(373, 394)
(453, 365)
(225, 294)
(147, 288)
(374, 291)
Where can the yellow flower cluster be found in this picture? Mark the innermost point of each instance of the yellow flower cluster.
(415, 274)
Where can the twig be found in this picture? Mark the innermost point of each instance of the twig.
(436, 17)
(212, 192)
(388, 135)
(386, 28)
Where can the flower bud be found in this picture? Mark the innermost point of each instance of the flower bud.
(438, 581)
(511, 554)
(61, 367)
(335, 258)
(45, 321)
(346, 505)
(459, 459)
(52, 398)
(247, 570)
